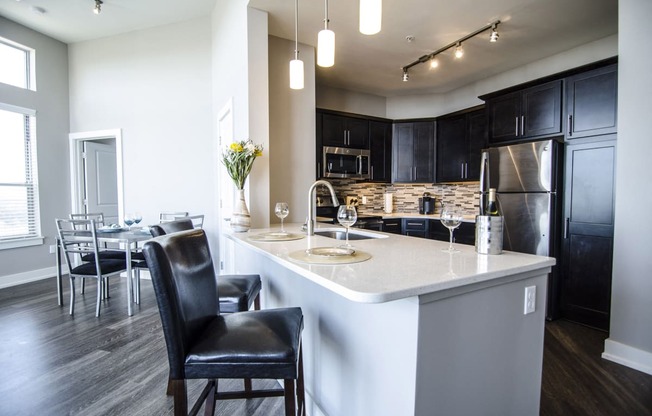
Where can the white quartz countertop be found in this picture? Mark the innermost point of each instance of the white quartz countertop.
(400, 266)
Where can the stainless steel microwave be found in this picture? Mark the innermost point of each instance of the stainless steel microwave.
(340, 162)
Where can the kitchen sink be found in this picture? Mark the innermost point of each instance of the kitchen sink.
(339, 234)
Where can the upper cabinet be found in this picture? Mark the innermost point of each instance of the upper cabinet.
(380, 146)
(413, 152)
(342, 131)
(591, 103)
(534, 112)
(460, 140)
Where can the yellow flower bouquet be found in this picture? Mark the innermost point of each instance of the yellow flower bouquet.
(239, 158)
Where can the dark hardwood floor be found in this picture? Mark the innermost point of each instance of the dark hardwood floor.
(53, 364)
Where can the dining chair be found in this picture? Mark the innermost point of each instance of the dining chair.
(197, 220)
(170, 216)
(202, 343)
(98, 217)
(79, 237)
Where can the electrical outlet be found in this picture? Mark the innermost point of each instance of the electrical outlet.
(530, 302)
(53, 249)
(364, 200)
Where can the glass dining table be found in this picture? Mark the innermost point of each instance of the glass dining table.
(128, 241)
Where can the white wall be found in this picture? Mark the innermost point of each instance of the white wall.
(292, 129)
(50, 101)
(351, 101)
(155, 85)
(432, 105)
(630, 340)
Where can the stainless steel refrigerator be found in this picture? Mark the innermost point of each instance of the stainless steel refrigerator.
(528, 191)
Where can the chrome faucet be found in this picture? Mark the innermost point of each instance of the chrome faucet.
(312, 210)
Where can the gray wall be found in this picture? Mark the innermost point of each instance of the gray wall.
(50, 100)
(630, 340)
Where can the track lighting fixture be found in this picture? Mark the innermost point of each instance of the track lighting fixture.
(459, 52)
(98, 6)
(296, 65)
(326, 43)
(494, 33)
(371, 16)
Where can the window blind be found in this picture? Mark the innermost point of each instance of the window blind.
(19, 207)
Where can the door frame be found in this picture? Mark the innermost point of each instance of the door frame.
(76, 147)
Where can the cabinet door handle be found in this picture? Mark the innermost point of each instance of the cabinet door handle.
(344, 137)
(466, 170)
(522, 125)
(348, 137)
(516, 126)
(372, 171)
(462, 170)
(570, 124)
(566, 227)
(414, 173)
(416, 224)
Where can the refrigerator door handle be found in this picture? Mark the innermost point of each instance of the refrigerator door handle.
(484, 182)
(566, 227)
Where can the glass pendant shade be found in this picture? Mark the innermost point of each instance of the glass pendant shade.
(371, 14)
(326, 48)
(296, 74)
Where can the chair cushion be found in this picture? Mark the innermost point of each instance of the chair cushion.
(106, 266)
(256, 344)
(237, 292)
(106, 254)
(138, 255)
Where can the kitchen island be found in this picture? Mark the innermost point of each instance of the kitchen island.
(411, 331)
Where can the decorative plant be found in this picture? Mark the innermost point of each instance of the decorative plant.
(239, 158)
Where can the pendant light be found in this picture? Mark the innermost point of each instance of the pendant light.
(371, 16)
(296, 65)
(326, 43)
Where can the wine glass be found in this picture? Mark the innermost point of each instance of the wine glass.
(137, 218)
(282, 210)
(451, 219)
(347, 216)
(129, 220)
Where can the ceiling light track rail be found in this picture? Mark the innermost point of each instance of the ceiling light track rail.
(457, 43)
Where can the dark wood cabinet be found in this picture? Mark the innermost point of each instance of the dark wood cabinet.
(533, 112)
(380, 146)
(393, 225)
(343, 131)
(460, 140)
(415, 227)
(413, 152)
(464, 234)
(587, 244)
(591, 103)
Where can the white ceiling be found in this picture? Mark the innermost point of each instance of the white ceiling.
(531, 30)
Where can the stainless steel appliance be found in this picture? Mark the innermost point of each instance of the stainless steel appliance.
(328, 215)
(341, 162)
(527, 180)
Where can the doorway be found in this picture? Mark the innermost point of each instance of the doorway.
(96, 173)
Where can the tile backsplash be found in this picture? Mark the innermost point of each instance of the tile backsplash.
(406, 196)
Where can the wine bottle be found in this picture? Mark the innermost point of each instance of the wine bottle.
(492, 206)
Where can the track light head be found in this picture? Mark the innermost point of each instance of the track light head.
(406, 77)
(98, 6)
(494, 33)
(459, 52)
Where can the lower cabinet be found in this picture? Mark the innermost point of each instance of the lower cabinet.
(415, 227)
(464, 234)
(393, 225)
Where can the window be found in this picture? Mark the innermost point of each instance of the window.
(19, 208)
(16, 68)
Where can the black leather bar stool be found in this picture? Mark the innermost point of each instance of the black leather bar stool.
(204, 344)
